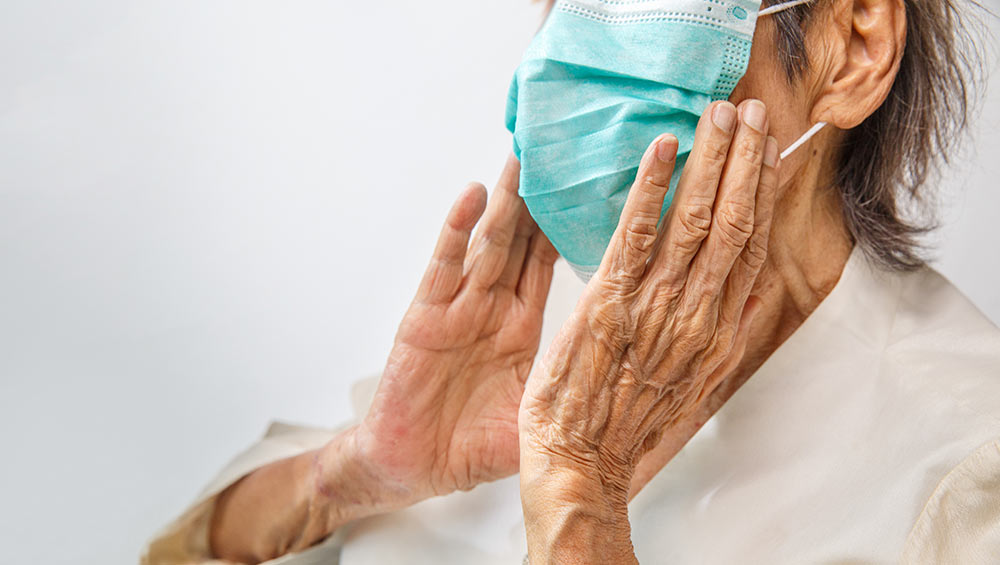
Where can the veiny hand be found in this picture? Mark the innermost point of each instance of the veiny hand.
(445, 414)
(660, 325)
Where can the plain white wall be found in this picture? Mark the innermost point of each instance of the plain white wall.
(213, 214)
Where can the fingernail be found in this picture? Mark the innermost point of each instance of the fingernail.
(771, 152)
(724, 116)
(755, 114)
(666, 148)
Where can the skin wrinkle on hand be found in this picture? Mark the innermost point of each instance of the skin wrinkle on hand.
(798, 268)
(452, 371)
(444, 416)
(666, 394)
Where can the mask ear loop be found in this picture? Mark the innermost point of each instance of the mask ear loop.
(801, 141)
(782, 7)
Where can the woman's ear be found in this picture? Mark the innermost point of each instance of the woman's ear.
(863, 49)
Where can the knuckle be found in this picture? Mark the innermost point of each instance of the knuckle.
(755, 252)
(715, 152)
(610, 323)
(623, 276)
(750, 149)
(699, 339)
(735, 223)
(655, 184)
(695, 221)
(640, 236)
(620, 282)
(698, 326)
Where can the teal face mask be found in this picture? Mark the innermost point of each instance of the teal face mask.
(600, 81)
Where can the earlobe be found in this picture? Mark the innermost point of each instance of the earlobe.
(871, 45)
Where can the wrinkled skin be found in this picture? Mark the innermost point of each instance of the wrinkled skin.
(444, 417)
(445, 414)
(663, 321)
(658, 341)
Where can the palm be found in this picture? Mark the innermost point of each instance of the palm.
(446, 410)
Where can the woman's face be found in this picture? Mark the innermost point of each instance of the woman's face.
(854, 51)
(766, 80)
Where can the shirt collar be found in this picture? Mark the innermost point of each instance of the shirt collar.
(852, 323)
(863, 303)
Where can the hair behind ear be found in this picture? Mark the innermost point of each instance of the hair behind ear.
(888, 162)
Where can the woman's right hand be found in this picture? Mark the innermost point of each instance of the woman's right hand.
(444, 417)
(663, 322)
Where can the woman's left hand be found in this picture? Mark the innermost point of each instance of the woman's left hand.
(660, 325)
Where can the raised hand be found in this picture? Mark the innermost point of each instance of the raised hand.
(445, 414)
(661, 324)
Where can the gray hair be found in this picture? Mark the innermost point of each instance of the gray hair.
(886, 163)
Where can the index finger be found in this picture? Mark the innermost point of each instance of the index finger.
(633, 242)
(690, 214)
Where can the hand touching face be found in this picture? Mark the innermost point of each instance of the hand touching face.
(662, 322)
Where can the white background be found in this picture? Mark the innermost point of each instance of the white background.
(213, 214)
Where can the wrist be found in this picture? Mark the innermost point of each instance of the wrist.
(573, 514)
(345, 485)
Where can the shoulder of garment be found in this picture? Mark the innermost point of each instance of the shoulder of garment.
(960, 523)
(947, 349)
(942, 343)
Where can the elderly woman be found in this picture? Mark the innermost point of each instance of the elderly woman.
(770, 374)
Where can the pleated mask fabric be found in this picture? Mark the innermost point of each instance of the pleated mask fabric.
(598, 83)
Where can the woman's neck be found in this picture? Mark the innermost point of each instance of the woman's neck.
(808, 249)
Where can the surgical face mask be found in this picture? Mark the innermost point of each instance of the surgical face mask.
(600, 81)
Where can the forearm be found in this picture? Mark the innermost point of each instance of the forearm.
(295, 503)
(573, 516)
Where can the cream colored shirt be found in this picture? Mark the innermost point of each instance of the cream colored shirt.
(871, 436)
